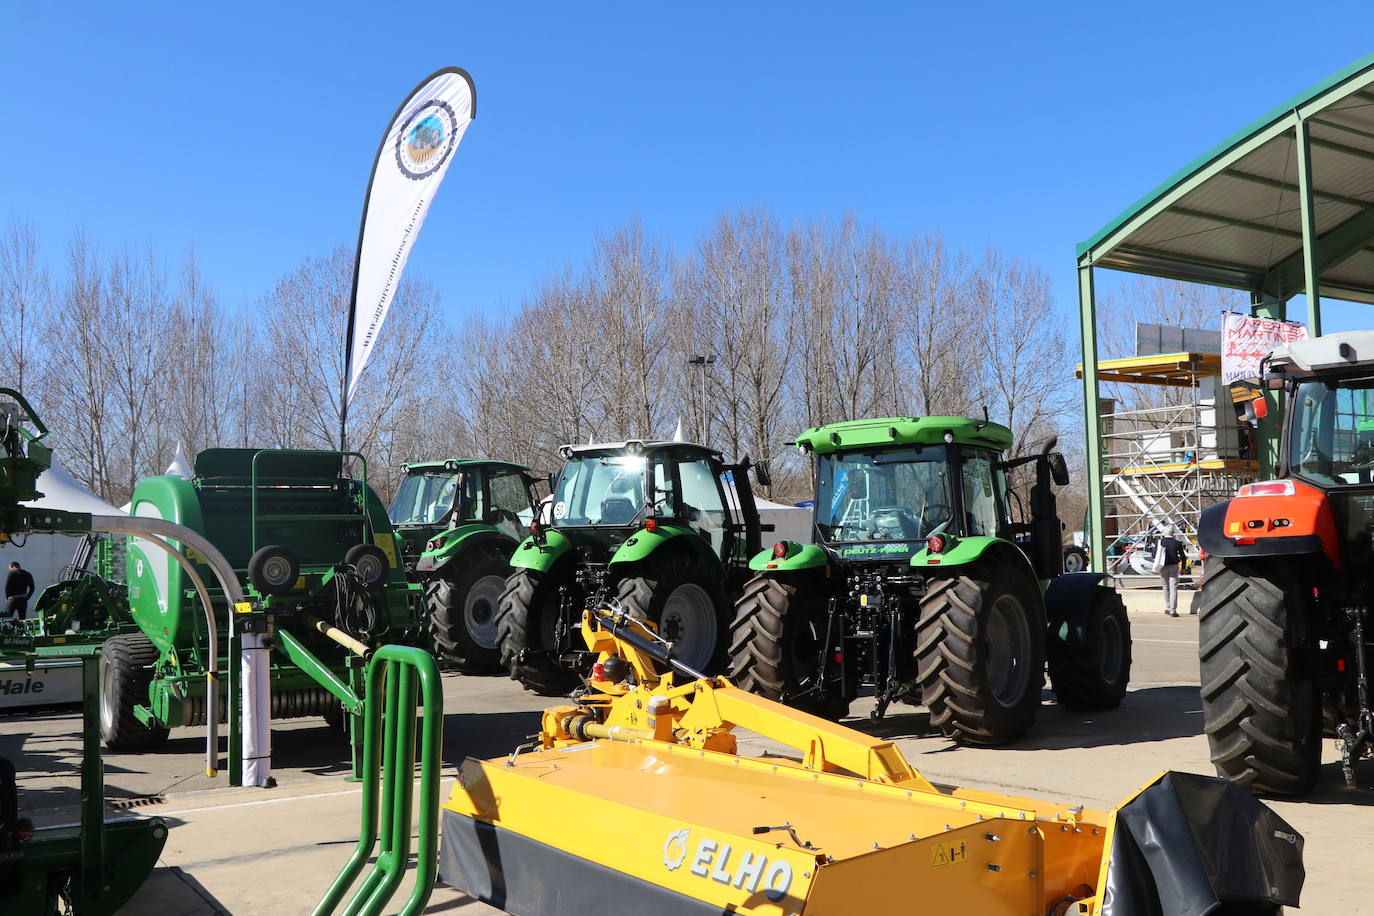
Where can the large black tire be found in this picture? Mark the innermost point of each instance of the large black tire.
(1090, 663)
(1075, 559)
(525, 630)
(1261, 707)
(775, 642)
(463, 602)
(685, 599)
(980, 652)
(126, 670)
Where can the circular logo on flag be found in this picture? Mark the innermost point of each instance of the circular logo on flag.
(426, 140)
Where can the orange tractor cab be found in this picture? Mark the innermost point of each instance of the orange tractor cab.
(1284, 643)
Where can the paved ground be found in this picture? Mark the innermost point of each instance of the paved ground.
(274, 851)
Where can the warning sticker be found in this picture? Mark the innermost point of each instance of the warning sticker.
(948, 854)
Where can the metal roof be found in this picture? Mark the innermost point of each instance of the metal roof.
(1233, 216)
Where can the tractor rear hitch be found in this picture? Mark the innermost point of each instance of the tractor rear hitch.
(1355, 741)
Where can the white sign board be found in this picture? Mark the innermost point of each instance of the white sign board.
(1245, 341)
(52, 682)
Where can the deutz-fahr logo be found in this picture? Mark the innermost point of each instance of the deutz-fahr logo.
(719, 862)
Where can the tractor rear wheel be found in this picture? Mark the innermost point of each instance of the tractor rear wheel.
(776, 642)
(126, 670)
(1261, 707)
(684, 598)
(525, 633)
(1090, 660)
(463, 602)
(980, 653)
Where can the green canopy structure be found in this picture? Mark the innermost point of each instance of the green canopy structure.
(1280, 208)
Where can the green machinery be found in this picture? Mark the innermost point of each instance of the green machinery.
(651, 526)
(921, 588)
(321, 565)
(93, 866)
(459, 521)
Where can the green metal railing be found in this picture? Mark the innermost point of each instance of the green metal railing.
(388, 774)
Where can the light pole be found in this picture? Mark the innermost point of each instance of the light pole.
(701, 361)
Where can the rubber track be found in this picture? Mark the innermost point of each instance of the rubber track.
(539, 672)
(1247, 697)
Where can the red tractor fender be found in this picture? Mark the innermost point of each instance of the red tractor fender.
(1271, 518)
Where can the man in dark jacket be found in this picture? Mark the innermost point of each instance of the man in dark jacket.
(18, 591)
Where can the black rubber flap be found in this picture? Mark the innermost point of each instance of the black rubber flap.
(1193, 845)
(523, 876)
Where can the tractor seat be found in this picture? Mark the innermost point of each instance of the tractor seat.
(617, 510)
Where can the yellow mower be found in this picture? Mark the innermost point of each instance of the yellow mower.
(636, 800)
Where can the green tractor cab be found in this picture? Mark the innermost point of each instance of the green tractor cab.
(316, 553)
(922, 589)
(649, 525)
(459, 521)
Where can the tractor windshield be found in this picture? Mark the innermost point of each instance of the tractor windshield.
(423, 499)
(1331, 439)
(607, 489)
(899, 495)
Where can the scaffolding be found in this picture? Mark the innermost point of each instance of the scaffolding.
(1164, 463)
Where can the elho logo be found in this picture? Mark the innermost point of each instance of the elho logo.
(426, 139)
(713, 861)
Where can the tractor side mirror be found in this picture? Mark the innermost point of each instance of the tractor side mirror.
(1059, 469)
(762, 474)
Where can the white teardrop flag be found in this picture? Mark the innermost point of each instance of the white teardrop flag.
(413, 157)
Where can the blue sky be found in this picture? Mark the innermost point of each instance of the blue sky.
(246, 131)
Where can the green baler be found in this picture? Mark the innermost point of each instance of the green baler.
(315, 552)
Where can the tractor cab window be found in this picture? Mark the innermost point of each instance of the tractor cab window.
(702, 506)
(1332, 432)
(423, 499)
(600, 490)
(983, 493)
(509, 503)
(894, 495)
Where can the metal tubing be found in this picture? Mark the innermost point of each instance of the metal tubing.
(306, 660)
(411, 681)
(155, 530)
(212, 660)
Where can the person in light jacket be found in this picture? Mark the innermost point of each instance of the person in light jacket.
(1168, 556)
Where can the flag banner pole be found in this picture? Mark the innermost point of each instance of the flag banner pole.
(412, 159)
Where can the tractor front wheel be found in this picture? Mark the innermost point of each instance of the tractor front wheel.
(526, 626)
(126, 671)
(1261, 707)
(463, 603)
(980, 653)
(1090, 659)
(683, 597)
(776, 642)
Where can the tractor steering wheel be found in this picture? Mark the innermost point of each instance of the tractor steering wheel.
(899, 517)
(933, 512)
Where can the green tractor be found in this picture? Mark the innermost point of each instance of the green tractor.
(321, 566)
(649, 525)
(921, 588)
(459, 522)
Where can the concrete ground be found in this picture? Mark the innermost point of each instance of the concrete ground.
(274, 851)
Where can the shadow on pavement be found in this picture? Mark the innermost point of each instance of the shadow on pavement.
(486, 734)
(1148, 714)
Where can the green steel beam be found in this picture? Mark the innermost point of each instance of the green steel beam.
(1286, 186)
(1092, 424)
(1170, 264)
(1332, 145)
(1309, 230)
(1268, 429)
(1289, 276)
(1234, 221)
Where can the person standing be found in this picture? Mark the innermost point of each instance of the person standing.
(1168, 556)
(18, 591)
